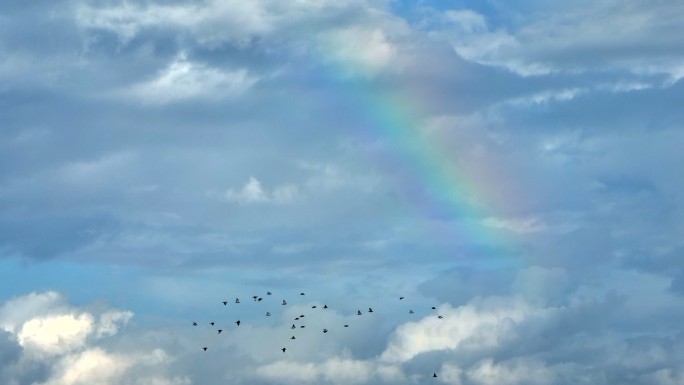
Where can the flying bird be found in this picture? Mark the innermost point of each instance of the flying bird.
(283, 349)
(325, 330)
(434, 308)
(237, 300)
(212, 323)
(268, 314)
(268, 293)
(301, 293)
(284, 302)
(225, 303)
(293, 326)
(296, 318)
(401, 298)
(237, 322)
(346, 326)
(358, 312)
(194, 324)
(259, 299)
(204, 348)
(370, 310)
(254, 297)
(219, 331)
(313, 307)
(440, 317)
(292, 338)
(302, 327)
(434, 375)
(325, 306)
(410, 311)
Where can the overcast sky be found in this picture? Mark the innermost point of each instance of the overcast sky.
(515, 164)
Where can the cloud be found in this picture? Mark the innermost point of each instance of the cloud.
(61, 344)
(184, 80)
(252, 192)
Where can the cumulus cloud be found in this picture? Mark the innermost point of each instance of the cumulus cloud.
(62, 344)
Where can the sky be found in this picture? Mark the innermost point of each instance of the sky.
(514, 164)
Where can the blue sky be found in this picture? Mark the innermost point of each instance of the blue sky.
(514, 164)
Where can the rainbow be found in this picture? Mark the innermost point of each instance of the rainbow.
(452, 202)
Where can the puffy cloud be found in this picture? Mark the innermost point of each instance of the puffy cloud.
(61, 344)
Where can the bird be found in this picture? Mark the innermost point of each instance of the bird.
(254, 297)
(219, 331)
(302, 327)
(358, 312)
(194, 324)
(283, 349)
(259, 299)
(346, 326)
(401, 298)
(296, 318)
(440, 317)
(237, 300)
(292, 338)
(434, 308)
(313, 307)
(370, 310)
(212, 323)
(410, 311)
(204, 348)
(268, 293)
(434, 375)
(293, 326)
(325, 330)
(325, 306)
(301, 316)
(301, 293)
(237, 322)
(284, 302)
(225, 303)
(268, 314)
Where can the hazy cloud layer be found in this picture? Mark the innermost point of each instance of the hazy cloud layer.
(514, 165)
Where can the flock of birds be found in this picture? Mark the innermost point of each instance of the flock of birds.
(299, 320)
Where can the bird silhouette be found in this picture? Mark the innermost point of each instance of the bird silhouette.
(225, 303)
(254, 297)
(194, 324)
(268, 293)
(204, 348)
(358, 312)
(346, 326)
(313, 307)
(325, 330)
(410, 311)
(440, 317)
(434, 308)
(259, 299)
(370, 310)
(268, 314)
(292, 338)
(237, 300)
(302, 327)
(434, 375)
(296, 318)
(401, 298)
(301, 316)
(283, 349)
(293, 326)
(325, 306)
(237, 322)
(212, 323)
(301, 293)
(219, 331)
(284, 302)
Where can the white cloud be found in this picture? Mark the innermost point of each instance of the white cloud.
(67, 341)
(253, 192)
(184, 80)
(466, 327)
